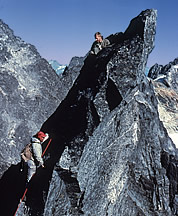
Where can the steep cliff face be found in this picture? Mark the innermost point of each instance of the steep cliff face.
(110, 153)
(29, 94)
(30, 91)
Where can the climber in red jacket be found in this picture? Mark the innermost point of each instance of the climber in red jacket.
(32, 154)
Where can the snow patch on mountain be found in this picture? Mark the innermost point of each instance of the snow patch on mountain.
(174, 137)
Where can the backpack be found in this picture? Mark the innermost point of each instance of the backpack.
(26, 153)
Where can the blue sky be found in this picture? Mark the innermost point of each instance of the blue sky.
(61, 29)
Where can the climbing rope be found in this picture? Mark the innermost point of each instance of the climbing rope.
(32, 177)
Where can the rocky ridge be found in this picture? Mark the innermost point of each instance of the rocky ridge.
(129, 164)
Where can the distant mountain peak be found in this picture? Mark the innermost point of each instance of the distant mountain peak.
(59, 68)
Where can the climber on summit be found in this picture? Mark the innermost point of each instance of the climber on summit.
(32, 153)
(99, 43)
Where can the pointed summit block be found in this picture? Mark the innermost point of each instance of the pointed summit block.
(122, 169)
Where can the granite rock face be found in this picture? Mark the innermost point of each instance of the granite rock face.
(120, 173)
(29, 94)
(129, 164)
(110, 154)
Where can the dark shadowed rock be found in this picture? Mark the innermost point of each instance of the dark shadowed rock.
(68, 77)
(29, 93)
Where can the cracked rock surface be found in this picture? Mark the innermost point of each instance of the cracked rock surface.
(126, 165)
(29, 94)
